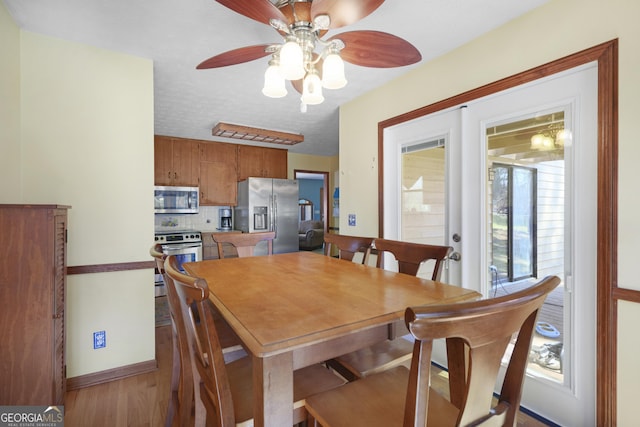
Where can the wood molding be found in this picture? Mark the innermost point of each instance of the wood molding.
(607, 237)
(606, 54)
(111, 374)
(630, 295)
(108, 268)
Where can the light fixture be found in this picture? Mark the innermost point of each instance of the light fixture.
(554, 136)
(273, 81)
(305, 56)
(249, 133)
(333, 72)
(312, 89)
(291, 60)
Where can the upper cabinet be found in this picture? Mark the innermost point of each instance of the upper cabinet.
(176, 161)
(261, 162)
(218, 174)
(215, 167)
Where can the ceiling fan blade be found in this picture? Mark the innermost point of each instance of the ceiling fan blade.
(236, 56)
(259, 10)
(377, 49)
(297, 85)
(344, 12)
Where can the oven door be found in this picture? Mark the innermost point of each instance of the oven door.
(184, 252)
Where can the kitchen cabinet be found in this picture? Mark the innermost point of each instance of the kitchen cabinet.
(210, 247)
(218, 174)
(32, 290)
(176, 161)
(261, 162)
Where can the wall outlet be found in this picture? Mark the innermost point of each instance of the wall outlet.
(99, 340)
(352, 220)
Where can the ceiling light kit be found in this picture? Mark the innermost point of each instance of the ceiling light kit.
(554, 136)
(308, 61)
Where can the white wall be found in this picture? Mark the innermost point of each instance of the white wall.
(556, 29)
(82, 135)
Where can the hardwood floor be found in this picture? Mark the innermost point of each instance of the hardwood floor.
(141, 401)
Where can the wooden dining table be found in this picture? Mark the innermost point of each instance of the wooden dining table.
(297, 309)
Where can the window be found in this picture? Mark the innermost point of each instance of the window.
(514, 221)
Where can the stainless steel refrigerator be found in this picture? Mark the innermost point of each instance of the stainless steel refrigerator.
(269, 204)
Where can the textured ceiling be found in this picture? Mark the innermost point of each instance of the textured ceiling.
(178, 35)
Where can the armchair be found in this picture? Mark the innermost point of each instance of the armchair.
(310, 235)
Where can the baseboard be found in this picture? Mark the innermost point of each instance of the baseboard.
(111, 374)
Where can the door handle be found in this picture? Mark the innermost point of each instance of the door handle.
(455, 256)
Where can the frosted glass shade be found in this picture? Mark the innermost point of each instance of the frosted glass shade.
(537, 141)
(291, 65)
(312, 89)
(274, 83)
(333, 72)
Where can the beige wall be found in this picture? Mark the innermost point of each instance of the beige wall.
(9, 109)
(557, 29)
(85, 139)
(312, 163)
(317, 163)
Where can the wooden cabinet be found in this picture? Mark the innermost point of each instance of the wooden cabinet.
(215, 167)
(210, 247)
(261, 162)
(32, 291)
(218, 172)
(176, 161)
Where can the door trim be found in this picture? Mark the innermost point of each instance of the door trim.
(606, 54)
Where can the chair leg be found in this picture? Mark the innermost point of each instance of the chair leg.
(175, 380)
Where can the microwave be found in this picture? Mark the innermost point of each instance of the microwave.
(176, 199)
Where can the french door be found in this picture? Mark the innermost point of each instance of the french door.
(509, 182)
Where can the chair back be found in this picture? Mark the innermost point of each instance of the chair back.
(158, 256)
(477, 335)
(411, 255)
(180, 403)
(245, 243)
(348, 246)
(212, 393)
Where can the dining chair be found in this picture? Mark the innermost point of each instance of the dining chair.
(348, 246)
(245, 243)
(410, 256)
(223, 393)
(477, 333)
(229, 341)
(390, 353)
(181, 389)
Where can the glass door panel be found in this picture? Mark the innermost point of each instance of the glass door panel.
(423, 196)
(525, 197)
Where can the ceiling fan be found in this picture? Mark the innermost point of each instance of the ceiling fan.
(305, 58)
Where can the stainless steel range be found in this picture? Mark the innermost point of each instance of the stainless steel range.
(186, 245)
